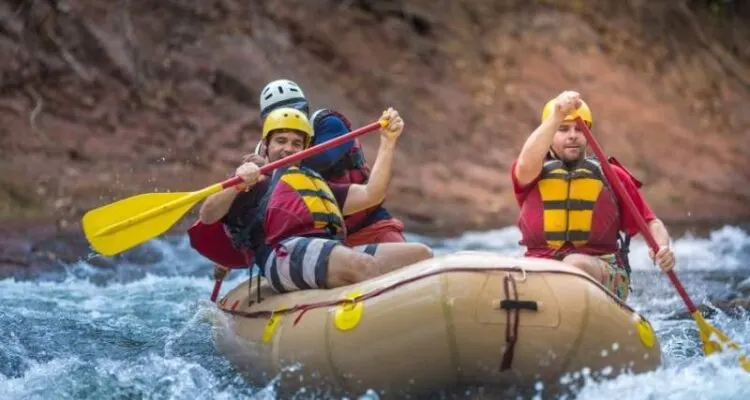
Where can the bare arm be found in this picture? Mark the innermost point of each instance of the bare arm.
(665, 257)
(531, 158)
(659, 230)
(361, 197)
(217, 205)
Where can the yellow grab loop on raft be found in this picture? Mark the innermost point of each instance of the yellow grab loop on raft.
(347, 315)
(645, 332)
(271, 325)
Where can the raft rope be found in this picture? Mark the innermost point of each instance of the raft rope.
(511, 325)
(303, 308)
(257, 279)
(219, 281)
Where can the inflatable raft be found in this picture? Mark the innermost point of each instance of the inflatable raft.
(444, 325)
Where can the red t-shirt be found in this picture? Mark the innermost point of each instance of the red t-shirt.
(627, 222)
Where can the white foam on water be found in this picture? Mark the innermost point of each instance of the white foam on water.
(143, 328)
(714, 377)
(717, 252)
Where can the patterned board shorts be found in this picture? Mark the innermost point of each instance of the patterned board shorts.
(300, 263)
(616, 277)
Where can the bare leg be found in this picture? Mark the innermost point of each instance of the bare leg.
(392, 256)
(347, 266)
(593, 266)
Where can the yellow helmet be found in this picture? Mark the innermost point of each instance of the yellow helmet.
(289, 119)
(583, 111)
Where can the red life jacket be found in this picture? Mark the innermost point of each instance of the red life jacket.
(350, 169)
(300, 203)
(213, 242)
(570, 211)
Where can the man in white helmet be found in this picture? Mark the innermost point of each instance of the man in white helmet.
(214, 241)
(367, 227)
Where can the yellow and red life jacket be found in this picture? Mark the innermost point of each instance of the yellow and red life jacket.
(300, 203)
(570, 210)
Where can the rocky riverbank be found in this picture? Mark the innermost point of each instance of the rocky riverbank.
(103, 100)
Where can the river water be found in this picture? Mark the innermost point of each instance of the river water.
(142, 329)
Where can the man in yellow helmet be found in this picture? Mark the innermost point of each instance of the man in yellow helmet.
(568, 210)
(345, 163)
(296, 229)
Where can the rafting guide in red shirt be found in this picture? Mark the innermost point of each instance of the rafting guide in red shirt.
(569, 211)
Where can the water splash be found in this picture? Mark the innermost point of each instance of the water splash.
(139, 325)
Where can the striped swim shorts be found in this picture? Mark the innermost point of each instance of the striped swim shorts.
(300, 263)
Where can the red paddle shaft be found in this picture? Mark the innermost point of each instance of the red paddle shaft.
(215, 292)
(266, 169)
(625, 198)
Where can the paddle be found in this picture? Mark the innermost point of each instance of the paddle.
(713, 339)
(119, 226)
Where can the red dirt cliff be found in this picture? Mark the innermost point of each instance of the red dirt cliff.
(101, 100)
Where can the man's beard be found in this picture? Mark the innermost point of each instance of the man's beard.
(568, 162)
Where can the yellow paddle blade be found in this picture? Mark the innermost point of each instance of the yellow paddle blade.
(124, 224)
(715, 341)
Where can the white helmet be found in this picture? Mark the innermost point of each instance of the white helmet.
(281, 92)
(259, 148)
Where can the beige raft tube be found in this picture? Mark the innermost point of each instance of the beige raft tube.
(464, 320)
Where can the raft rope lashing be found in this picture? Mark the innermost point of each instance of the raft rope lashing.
(511, 322)
(218, 282)
(250, 281)
(512, 306)
(507, 304)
